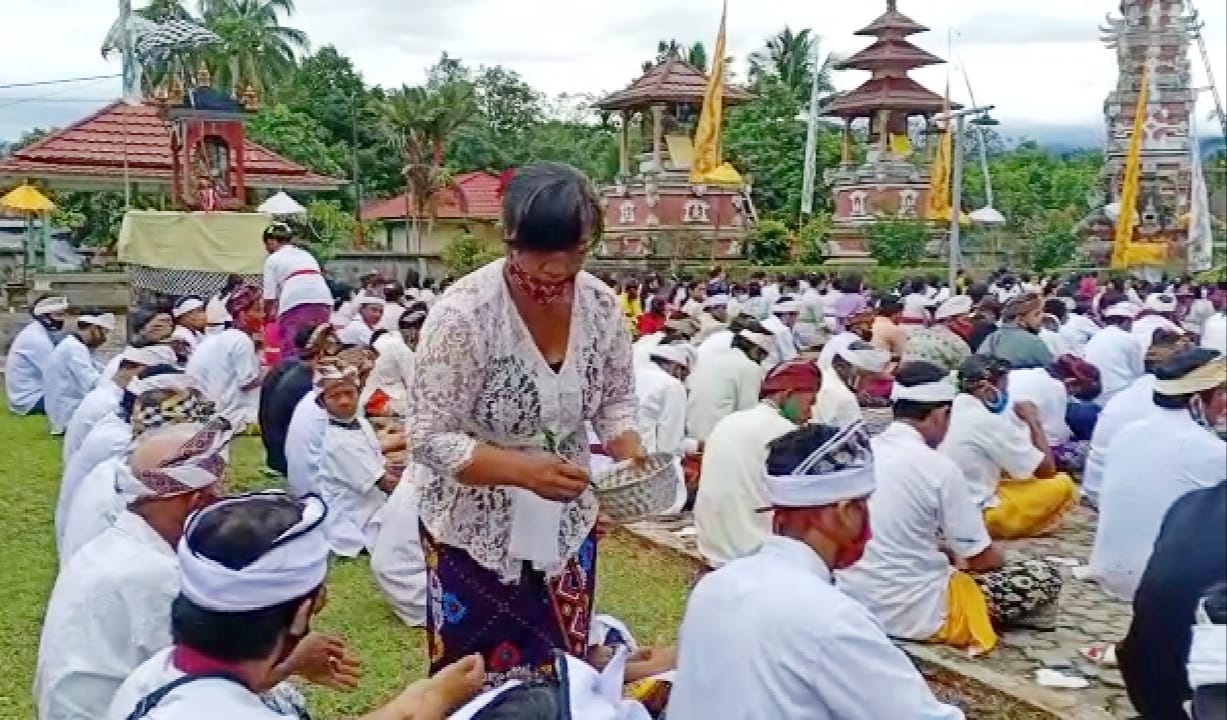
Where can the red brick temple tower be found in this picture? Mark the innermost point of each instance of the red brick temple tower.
(893, 180)
(654, 215)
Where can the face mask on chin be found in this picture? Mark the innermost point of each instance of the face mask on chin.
(849, 555)
(997, 403)
(52, 324)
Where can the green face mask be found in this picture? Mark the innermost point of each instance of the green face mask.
(791, 410)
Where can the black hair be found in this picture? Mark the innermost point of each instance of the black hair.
(341, 292)
(128, 401)
(786, 452)
(977, 291)
(911, 374)
(303, 336)
(981, 367)
(550, 207)
(850, 284)
(143, 315)
(408, 322)
(888, 305)
(744, 344)
(1216, 603)
(393, 292)
(531, 701)
(232, 283)
(1057, 308)
(234, 536)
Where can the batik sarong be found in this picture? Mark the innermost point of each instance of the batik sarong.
(1071, 456)
(979, 604)
(516, 628)
(292, 321)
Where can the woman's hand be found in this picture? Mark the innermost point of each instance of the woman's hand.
(627, 446)
(551, 477)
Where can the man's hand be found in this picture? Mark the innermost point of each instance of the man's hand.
(324, 660)
(388, 483)
(1026, 411)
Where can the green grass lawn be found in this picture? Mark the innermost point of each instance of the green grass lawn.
(643, 586)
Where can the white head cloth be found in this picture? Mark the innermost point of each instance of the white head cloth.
(186, 305)
(716, 301)
(869, 359)
(762, 340)
(371, 300)
(165, 381)
(49, 305)
(592, 694)
(328, 373)
(150, 355)
(106, 321)
(198, 463)
(783, 307)
(1160, 302)
(296, 565)
(953, 307)
(1207, 652)
(839, 469)
(674, 352)
(940, 391)
(1122, 309)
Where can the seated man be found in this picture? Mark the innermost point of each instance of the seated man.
(1182, 568)
(769, 635)
(930, 571)
(843, 372)
(1009, 467)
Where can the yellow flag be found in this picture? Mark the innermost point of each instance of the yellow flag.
(1121, 255)
(937, 205)
(707, 136)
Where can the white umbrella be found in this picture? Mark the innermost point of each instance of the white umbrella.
(281, 204)
(987, 215)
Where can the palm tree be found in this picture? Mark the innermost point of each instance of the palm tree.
(257, 50)
(162, 10)
(419, 122)
(788, 58)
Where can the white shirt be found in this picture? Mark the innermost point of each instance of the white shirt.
(393, 371)
(1151, 463)
(187, 335)
(71, 372)
(1077, 332)
(660, 418)
(390, 319)
(96, 404)
(725, 510)
(718, 340)
(109, 371)
(721, 385)
(224, 364)
(23, 367)
(641, 348)
(109, 438)
(1050, 397)
(785, 343)
(985, 444)
(198, 700)
(1214, 332)
(304, 440)
(1133, 403)
(356, 332)
(1144, 330)
(281, 283)
(92, 509)
(108, 613)
(398, 564)
(1118, 355)
(350, 468)
(769, 637)
(921, 502)
(1054, 342)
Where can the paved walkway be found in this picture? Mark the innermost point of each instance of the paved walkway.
(1087, 616)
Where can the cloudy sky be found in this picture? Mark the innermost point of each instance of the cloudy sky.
(1039, 61)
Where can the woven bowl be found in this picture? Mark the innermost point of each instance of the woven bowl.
(630, 493)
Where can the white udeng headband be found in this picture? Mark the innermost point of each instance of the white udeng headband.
(802, 491)
(296, 564)
(165, 381)
(939, 391)
(766, 342)
(186, 306)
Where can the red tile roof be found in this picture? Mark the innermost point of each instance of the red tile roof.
(892, 22)
(893, 53)
(98, 147)
(481, 201)
(670, 80)
(895, 93)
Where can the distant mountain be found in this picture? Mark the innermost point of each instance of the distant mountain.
(1057, 138)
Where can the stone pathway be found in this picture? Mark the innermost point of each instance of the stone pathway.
(1087, 616)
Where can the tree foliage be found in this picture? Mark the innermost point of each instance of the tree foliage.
(897, 242)
(770, 243)
(465, 253)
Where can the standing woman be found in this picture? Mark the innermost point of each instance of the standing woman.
(513, 360)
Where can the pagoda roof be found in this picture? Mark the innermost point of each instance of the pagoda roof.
(672, 80)
(892, 22)
(894, 93)
(894, 53)
(134, 140)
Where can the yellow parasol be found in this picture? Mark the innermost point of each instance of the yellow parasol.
(27, 198)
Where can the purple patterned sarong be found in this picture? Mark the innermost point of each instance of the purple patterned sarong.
(516, 627)
(292, 321)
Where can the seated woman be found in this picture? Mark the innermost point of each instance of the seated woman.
(930, 570)
(1009, 467)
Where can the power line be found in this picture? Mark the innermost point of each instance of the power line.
(42, 97)
(88, 78)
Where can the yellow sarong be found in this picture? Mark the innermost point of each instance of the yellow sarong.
(1027, 508)
(967, 621)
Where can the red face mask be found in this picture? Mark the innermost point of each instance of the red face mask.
(542, 292)
(848, 556)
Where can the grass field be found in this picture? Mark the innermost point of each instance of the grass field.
(644, 587)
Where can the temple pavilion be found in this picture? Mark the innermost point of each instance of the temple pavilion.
(654, 214)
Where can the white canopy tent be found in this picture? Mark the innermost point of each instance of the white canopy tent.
(281, 205)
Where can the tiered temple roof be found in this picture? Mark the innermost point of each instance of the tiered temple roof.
(890, 59)
(134, 141)
(672, 80)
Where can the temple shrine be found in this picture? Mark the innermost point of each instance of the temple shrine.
(891, 181)
(654, 214)
(1155, 34)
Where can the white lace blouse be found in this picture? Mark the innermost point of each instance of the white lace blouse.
(481, 378)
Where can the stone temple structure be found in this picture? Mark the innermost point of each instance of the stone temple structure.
(654, 215)
(1155, 34)
(893, 180)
